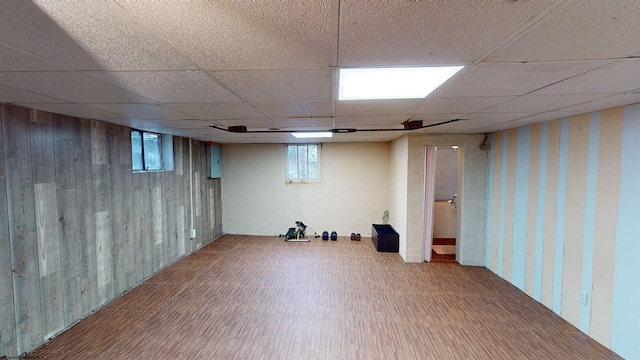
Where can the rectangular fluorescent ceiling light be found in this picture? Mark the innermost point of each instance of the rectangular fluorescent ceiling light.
(310, 135)
(392, 83)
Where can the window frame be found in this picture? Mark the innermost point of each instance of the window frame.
(165, 152)
(290, 180)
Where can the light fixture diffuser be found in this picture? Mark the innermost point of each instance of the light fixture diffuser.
(392, 83)
(311, 135)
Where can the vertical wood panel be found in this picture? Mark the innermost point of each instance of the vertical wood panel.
(46, 206)
(70, 248)
(607, 195)
(78, 227)
(103, 256)
(137, 216)
(116, 192)
(70, 256)
(551, 198)
(22, 227)
(8, 340)
(86, 215)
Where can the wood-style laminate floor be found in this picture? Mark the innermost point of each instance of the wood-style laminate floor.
(243, 297)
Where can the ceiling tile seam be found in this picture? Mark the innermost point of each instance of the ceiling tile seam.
(572, 77)
(522, 30)
(27, 52)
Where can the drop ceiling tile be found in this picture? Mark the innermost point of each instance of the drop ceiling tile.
(71, 86)
(374, 107)
(289, 123)
(296, 108)
(512, 79)
(605, 103)
(499, 117)
(541, 103)
(12, 59)
(458, 105)
(76, 110)
(619, 76)
(385, 136)
(100, 36)
(242, 34)
(169, 86)
(186, 124)
(219, 110)
(433, 118)
(547, 116)
(279, 85)
(601, 30)
(358, 121)
(16, 31)
(142, 111)
(458, 127)
(262, 123)
(501, 127)
(12, 95)
(427, 32)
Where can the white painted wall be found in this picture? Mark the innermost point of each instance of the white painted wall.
(444, 220)
(472, 196)
(398, 190)
(353, 192)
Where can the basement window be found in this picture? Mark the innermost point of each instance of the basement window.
(151, 151)
(303, 163)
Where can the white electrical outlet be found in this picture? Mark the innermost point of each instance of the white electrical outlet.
(192, 234)
(584, 298)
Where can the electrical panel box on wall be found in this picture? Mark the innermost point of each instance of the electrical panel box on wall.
(215, 170)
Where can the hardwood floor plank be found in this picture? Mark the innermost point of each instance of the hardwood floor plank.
(253, 297)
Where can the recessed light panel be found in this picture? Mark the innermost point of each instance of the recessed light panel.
(392, 83)
(311, 135)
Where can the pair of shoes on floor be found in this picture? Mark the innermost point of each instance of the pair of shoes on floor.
(355, 237)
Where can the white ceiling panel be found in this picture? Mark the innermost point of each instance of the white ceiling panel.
(303, 108)
(427, 32)
(619, 76)
(458, 105)
(512, 79)
(321, 123)
(76, 110)
(359, 121)
(187, 124)
(71, 86)
(169, 86)
(219, 110)
(143, 111)
(12, 59)
(500, 127)
(97, 35)
(242, 34)
(547, 116)
(182, 65)
(279, 85)
(540, 103)
(374, 107)
(12, 95)
(251, 124)
(605, 103)
(499, 117)
(577, 31)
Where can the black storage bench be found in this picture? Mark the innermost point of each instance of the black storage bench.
(385, 238)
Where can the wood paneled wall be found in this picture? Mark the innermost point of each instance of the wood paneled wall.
(78, 227)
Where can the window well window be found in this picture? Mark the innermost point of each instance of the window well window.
(303, 162)
(151, 151)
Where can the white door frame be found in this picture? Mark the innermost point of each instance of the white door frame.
(429, 198)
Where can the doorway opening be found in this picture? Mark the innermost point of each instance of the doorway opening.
(442, 186)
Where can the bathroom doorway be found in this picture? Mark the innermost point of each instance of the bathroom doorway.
(441, 203)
